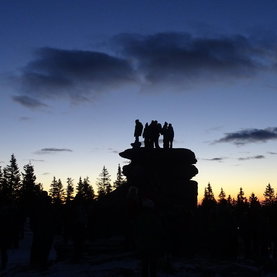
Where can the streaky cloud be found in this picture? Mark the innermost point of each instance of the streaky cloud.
(36, 160)
(46, 173)
(28, 101)
(257, 157)
(56, 150)
(249, 136)
(216, 159)
(24, 118)
(113, 150)
(52, 150)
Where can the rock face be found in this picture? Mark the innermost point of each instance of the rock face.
(163, 174)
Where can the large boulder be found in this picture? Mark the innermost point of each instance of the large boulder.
(165, 174)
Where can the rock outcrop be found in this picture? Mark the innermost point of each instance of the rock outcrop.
(164, 174)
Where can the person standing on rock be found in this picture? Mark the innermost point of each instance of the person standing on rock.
(146, 136)
(165, 135)
(155, 131)
(170, 132)
(138, 130)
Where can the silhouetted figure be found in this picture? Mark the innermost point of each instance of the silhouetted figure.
(155, 129)
(157, 134)
(148, 238)
(138, 130)
(164, 132)
(146, 136)
(151, 130)
(42, 225)
(170, 133)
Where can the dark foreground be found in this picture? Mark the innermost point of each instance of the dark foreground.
(107, 258)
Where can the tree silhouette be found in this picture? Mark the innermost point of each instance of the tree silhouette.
(69, 190)
(241, 199)
(254, 201)
(56, 191)
(88, 189)
(222, 197)
(79, 188)
(120, 179)
(104, 183)
(30, 190)
(209, 199)
(85, 190)
(11, 183)
(269, 196)
(230, 200)
(29, 185)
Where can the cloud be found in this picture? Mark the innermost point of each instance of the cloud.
(250, 136)
(257, 157)
(183, 58)
(113, 150)
(25, 118)
(175, 60)
(272, 153)
(28, 102)
(217, 159)
(52, 150)
(73, 74)
(36, 160)
(46, 173)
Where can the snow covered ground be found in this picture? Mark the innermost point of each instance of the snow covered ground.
(124, 265)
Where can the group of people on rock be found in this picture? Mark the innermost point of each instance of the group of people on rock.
(151, 134)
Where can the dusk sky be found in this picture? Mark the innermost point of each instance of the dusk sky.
(76, 74)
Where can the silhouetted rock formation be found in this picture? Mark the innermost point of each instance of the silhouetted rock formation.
(163, 174)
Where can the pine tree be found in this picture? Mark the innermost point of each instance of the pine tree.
(254, 201)
(89, 191)
(104, 183)
(120, 180)
(229, 200)
(30, 190)
(12, 184)
(241, 199)
(222, 197)
(56, 191)
(85, 190)
(269, 196)
(209, 199)
(29, 187)
(28, 179)
(69, 190)
(80, 188)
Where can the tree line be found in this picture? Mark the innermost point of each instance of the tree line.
(209, 199)
(16, 185)
(22, 186)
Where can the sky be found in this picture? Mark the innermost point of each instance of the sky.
(75, 75)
